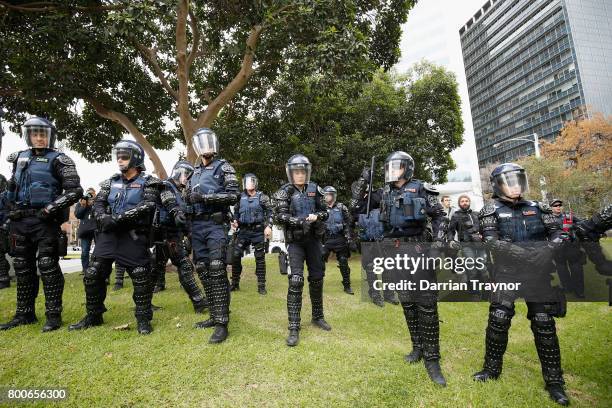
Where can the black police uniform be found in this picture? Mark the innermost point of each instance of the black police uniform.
(337, 239)
(170, 245)
(404, 213)
(124, 210)
(42, 179)
(291, 207)
(254, 214)
(517, 234)
(589, 232)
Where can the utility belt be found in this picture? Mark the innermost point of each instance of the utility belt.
(217, 217)
(24, 213)
(252, 227)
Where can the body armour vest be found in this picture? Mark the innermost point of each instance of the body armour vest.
(208, 180)
(125, 196)
(335, 221)
(37, 185)
(522, 222)
(304, 203)
(164, 216)
(404, 209)
(251, 211)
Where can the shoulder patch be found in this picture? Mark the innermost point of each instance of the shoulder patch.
(430, 189)
(281, 195)
(65, 160)
(544, 207)
(106, 184)
(12, 158)
(227, 168)
(488, 209)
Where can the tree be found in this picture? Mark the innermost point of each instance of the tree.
(576, 165)
(340, 128)
(101, 68)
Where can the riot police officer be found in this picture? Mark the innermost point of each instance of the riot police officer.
(300, 209)
(170, 243)
(338, 235)
(5, 279)
(589, 232)
(43, 186)
(124, 210)
(405, 205)
(253, 225)
(211, 190)
(516, 231)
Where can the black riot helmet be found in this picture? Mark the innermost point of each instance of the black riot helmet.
(398, 165)
(205, 142)
(330, 190)
(295, 164)
(249, 182)
(132, 151)
(181, 172)
(509, 182)
(39, 126)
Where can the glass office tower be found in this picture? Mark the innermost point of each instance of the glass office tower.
(532, 65)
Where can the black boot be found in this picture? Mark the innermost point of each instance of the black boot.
(412, 321)
(200, 306)
(495, 343)
(294, 308)
(374, 294)
(547, 346)
(557, 394)
(19, 320)
(293, 338)
(204, 324)
(261, 289)
(236, 271)
(234, 286)
(143, 326)
(219, 299)
(219, 335)
(315, 287)
(5, 284)
(345, 271)
(260, 268)
(53, 322)
(434, 371)
(90, 320)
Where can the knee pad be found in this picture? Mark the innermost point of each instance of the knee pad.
(260, 249)
(202, 269)
(140, 275)
(543, 323)
(185, 266)
(500, 318)
(296, 282)
(21, 266)
(47, 264)
(342, 259)
(217, 267)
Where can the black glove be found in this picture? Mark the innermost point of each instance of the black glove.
(180, 219)
(352, 246)
(195, 197)
(365, 174)
(436, 211)
(107, 223)
(43, 214)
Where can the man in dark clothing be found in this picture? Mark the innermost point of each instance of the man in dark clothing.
(87, 227)
(569, 259)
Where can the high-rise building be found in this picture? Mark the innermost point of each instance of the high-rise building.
(532, 65)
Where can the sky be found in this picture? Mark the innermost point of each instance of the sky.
(431, 32)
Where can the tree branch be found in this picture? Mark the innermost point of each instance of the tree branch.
(237, 83)
(150, 55)
(128, 125)
(195, 32)
(44, 6)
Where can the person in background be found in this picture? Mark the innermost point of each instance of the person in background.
(87, 225)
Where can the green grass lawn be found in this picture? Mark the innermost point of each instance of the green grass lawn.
(359, 363)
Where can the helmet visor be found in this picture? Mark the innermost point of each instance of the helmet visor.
(37, 136)
(249, 182)
(512, 184)
(330, 197)
(397, 169)
(205, 143)
(124, 155)
(181, 175)
(298, 173)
